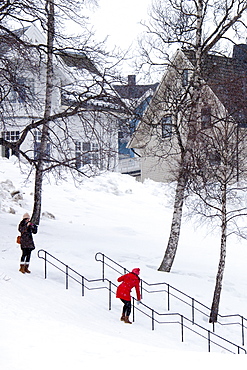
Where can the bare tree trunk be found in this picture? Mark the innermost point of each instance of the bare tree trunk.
(221, 267)
(185, 157)
(171, 249)
(48, 108)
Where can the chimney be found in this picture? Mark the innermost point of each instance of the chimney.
(240, 53)
(132, 80)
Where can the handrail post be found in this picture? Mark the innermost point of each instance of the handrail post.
(133, 309)
(168, 297)
(109, 295)
(45, 265)
(152, 319)
(67, 277)
(242, 324)
(82, 286)
(193, 311)
(182, 328)
(209, 341)
(103, 267)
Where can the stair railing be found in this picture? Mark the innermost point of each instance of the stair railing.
(70, 273)
(65, 269)
(171, 291)
(206, 334)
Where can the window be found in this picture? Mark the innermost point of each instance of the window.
(78, 154)
(214, 158)
(22, 90)
(166, 127)
(206, 117)
(95, 156)
(37, 143)
(11, 136)
(86, 153)
(37, 135)
(36, 150)
(185, 77)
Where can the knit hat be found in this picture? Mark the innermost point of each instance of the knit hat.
(136, 271)
(26, 215)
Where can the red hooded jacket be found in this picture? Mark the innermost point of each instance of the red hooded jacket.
(129, 281)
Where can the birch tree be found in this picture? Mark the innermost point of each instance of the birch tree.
(49, 7)
(215, 180)
(201, 26)
(87, 94)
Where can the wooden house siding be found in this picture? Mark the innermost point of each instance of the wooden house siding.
(223, 94)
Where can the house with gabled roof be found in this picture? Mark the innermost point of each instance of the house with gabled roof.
(223, 94)
(91, 134)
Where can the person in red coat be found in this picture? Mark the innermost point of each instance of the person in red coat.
(128, 281)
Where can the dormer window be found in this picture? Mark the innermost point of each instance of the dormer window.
(166, 127)
(206, 117)
(185, 77)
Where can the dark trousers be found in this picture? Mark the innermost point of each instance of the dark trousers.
(126, 307)
(26, 255)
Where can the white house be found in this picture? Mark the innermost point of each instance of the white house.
(87, 136)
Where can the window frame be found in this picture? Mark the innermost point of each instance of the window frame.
(214, 158)
(206, 117)
(185, 77)
(11, 136)
(166, 127)
(36, 146)
(25, 88)
(86, 153)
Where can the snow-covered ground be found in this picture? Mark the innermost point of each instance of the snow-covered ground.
(45, 326)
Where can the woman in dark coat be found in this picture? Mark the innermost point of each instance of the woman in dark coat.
(26, 229)
(129, 281)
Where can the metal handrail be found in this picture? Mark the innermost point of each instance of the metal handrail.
(153, 312)
(79, 277)
(182, 324)
(169, 294)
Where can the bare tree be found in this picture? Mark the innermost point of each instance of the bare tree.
(219, 164)
(200, 26)
(85, 96)
(49, 7)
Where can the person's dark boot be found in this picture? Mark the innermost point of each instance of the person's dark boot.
(22, 268)
(126, 320)
(122, 318)
(26, 269)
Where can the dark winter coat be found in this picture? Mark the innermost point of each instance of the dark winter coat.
(26, 233)
(129, 281)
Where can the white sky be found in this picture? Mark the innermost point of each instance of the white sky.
(119, 20)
